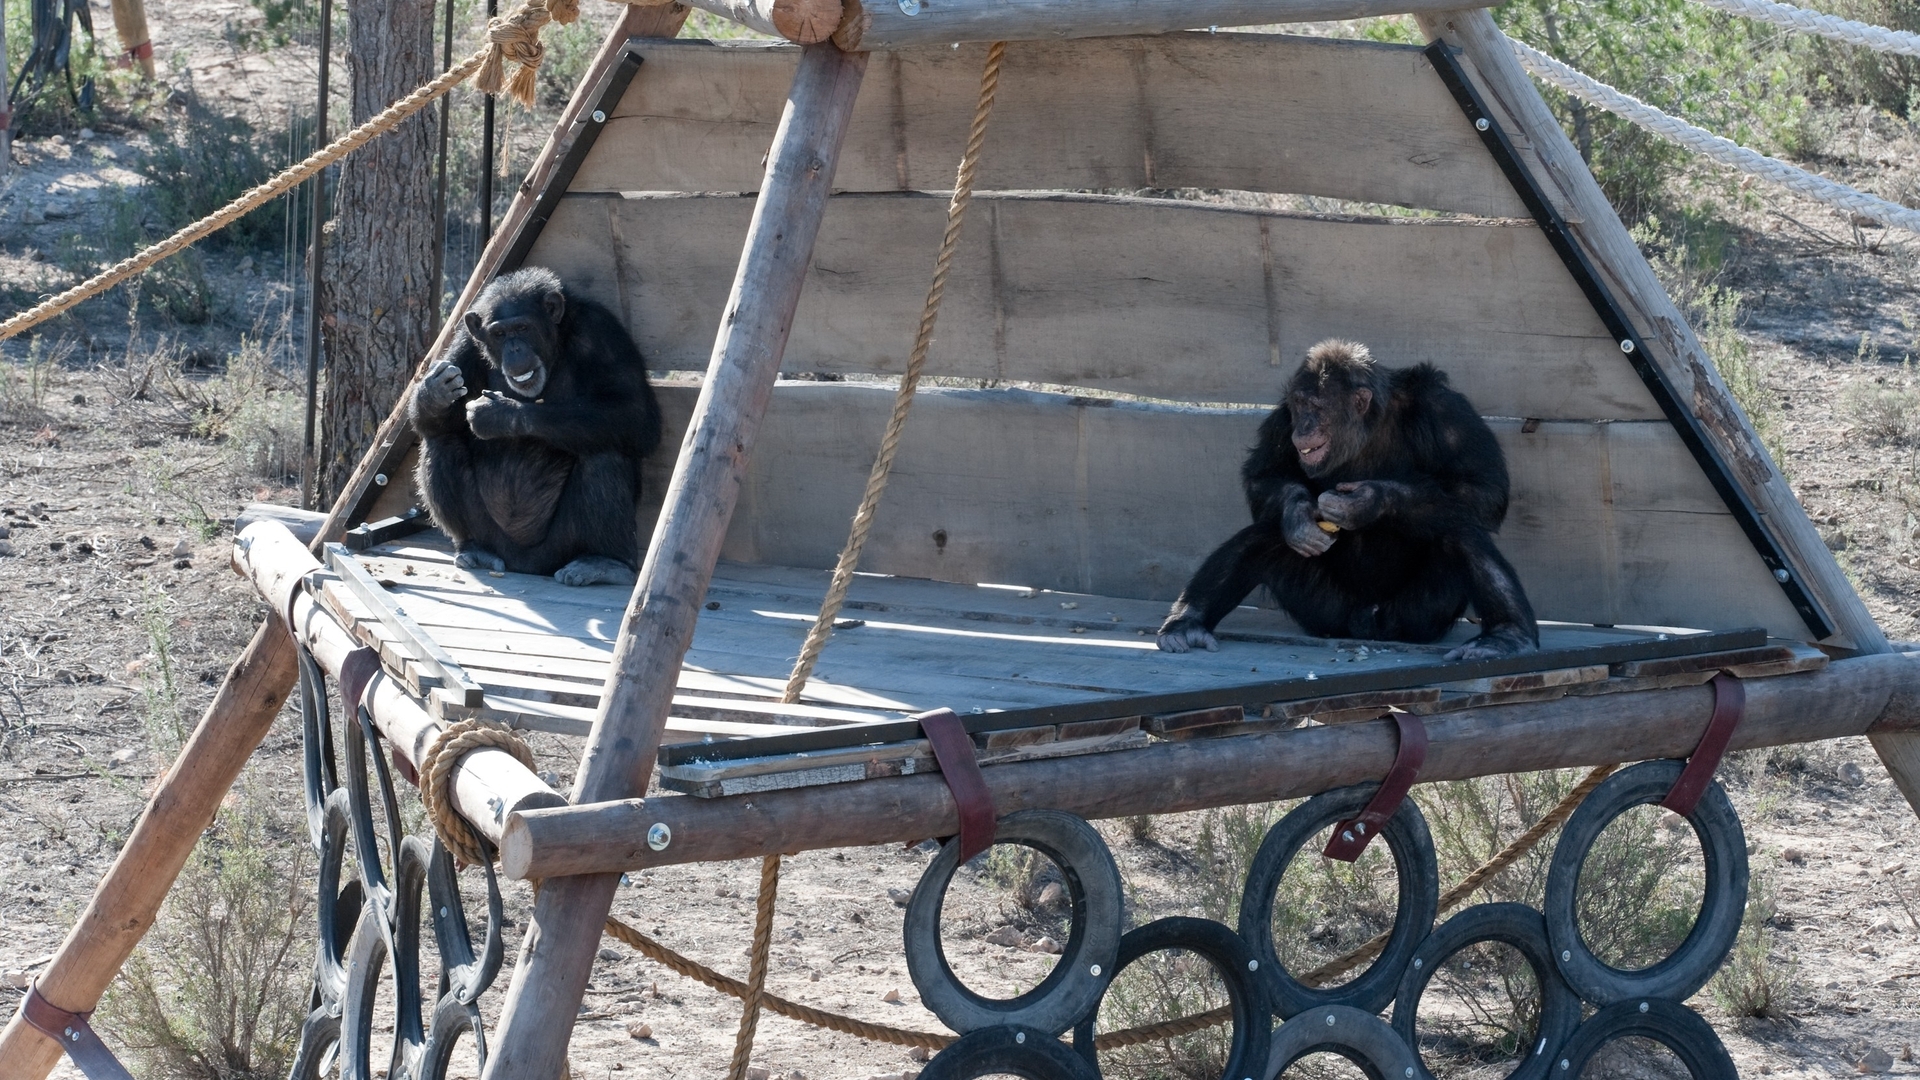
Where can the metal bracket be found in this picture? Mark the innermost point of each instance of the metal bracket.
(1350, 838)
(1447, 65)
(428, 651)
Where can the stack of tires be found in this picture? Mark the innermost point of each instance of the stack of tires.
(1585, 1003)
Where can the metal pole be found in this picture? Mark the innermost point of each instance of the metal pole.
(6, 100)
(440, 178)
(316, 210)
(486, 154)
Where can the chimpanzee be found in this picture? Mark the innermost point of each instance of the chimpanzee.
(532, 432)
(1375, 494)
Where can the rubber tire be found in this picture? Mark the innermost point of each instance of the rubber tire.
(1019, 1051)
(1406, 836)
(1724, 847)
(1360, 1037)
(1229, 955)
(1073, 988)
(1510, 924)
(1669, 1023)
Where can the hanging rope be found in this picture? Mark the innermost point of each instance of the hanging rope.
(756, 967)
(1801, 20)
(1707, 144)
(909, 381)
(511, 37)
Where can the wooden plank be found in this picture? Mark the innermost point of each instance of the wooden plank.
(1531, 680)
(1611, 522)
(1671, 344)
(1163, 298)
(1765, 654)
(873, 24)
(1380, 700)
(1251, 112)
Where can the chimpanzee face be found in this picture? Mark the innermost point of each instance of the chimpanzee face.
(1330, 422)
(520, 335)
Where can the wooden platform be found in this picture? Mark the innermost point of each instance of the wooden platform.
(1036, 673)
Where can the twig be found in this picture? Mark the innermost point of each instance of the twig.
(57, 777)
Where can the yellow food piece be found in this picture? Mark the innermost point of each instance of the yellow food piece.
(1327, 526)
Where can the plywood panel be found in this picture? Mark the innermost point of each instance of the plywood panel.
(1351, 120)
(1155, 297)
(1611, 522)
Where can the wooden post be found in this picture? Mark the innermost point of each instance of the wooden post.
(6, 99)
(136, 47)
(557, 953)
(892, 24)
(124, 904)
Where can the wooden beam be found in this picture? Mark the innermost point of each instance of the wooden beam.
(395, 437)
(127, 899)
(558, 951)
(1662, 327)
(803, 22)
(890, 24)
(1848, 698)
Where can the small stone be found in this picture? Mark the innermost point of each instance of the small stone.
(1883, 925)
(1893, 868)
(16, 980)
(1766, 1070)
(246, 265)
(1007, 937)
(1068, 605)
(796, 1075)
(1850, 773)
(759, 1072)
(6, 547)
(638, 1030)
(1045, 945)
(183, 564)
(1793, 855)
(1053, 895)
(86, 134)
(182, 549)
(611, 954)
(122, 755)
(899, 896)
(883, 1076)
(1876, 1060)
(79, 399)
(918, 1053)
(891, 997)
(33, 215)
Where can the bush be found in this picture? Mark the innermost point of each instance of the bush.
(201, 161)
(1757, 981)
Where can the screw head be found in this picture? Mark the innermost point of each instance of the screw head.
(1018, 1036)
(1566, 955)
(1481, 124)
(599, 116)
(1418, 963)
(909, 7)
(1643, 1006)
(1627, 346)
(1360, 827)
(1330, 1020)
(659, 836)
(1094, 970)
(1565, 1064)
(443, 911)
(380, 478)
(1781, 575)
(1253, 965)
(1347, 835)
(1409, 1072)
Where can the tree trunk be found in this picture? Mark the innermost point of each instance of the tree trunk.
(377, 299)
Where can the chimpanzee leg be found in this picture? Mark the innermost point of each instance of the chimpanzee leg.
(594, 537)
(445, 481)
(1507, 626)
(1424, 611)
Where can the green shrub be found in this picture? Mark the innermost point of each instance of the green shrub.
(201, 161)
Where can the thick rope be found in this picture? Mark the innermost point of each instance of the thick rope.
(756, 967)
(909, 381)
(1114, 1040)
(1801, 20)
(510, 46)
(436, 772)
(1706, 143)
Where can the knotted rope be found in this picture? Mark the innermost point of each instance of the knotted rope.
(909, 382)
(520, 43)
(1707, 144)
(436, 772)
(1799, 19)
(515, 37)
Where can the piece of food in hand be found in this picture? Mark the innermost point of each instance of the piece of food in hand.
(1327, 526)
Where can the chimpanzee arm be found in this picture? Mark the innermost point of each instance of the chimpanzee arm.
(438, 403)
(1507, 625)
(1452, 475)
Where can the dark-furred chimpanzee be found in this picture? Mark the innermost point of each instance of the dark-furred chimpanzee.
(1375, 495)
(532, 432)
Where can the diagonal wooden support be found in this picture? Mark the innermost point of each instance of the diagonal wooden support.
(558, 952)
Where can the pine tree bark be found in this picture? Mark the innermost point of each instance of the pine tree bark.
(377, 300)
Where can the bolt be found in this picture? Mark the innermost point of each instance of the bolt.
(1018, 1036)
(380, 478)
(1782, 576)
(599, 117)
(1253, 965)
(1329, 1019)
(909, 8)
(1627, 346)
(1094, 971)
(1409, 1072)
(1643, 1006)
(443, 911)
(659, 836)
(1565, 1064)
(1360, 827)
(1347, 835)
(1481, 124)
(1566, 955)
(1418, 963)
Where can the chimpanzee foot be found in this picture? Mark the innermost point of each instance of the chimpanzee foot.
(1509, 640)
(595, 570)
(1181, 635)
(478, 558)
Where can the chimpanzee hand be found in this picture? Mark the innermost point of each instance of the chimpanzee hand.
(442, 386)
(1353, 505)
(1186, 632)
(1304, 534)
(492, 415)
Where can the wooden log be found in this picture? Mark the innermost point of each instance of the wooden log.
(1664, 331)
(1845, 699)
(395, 437)
(885, 24)
(127, 899)
(803, 22)
(558, 951)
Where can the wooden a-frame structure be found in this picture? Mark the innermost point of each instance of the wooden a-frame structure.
(1642, 494)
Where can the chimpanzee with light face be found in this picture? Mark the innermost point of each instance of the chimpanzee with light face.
(532, 431)
(1375, 495)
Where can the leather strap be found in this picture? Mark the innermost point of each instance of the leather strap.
(71, 1031)
(1350, 838)
(1729, 707)
(356, 672)
(953, 749)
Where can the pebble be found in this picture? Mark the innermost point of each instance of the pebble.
(1876, 1060)
(638, 1030)
(919, 1054)
(1893, 868)
(1006, 936)
(611, 954)
(5, 532)
(1852, 775)
(16, 980)
(122, 756)
(891, 997)
(1045, 945)
(182, 549)
(759, 1072)
(1793, 855)
(183, 564)
(1053, 895)
(6, 547)
(899, 896)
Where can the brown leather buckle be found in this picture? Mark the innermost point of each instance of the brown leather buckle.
(1729, 708)
(953, 749)
(1350, 838)
(71, 1031)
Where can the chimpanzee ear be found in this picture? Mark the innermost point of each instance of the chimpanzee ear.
(1362, 401)
(556, 302)
(475, 326)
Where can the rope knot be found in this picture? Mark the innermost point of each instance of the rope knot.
(515, 37)
(436, 772)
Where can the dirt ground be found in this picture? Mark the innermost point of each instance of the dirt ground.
(118, 612)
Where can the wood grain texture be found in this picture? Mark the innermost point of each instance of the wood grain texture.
(802, 21)
(880, 24)
(1670, 342)
(1161, 298)
(1610, 523)
(1845, 699)
(1257, 112)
